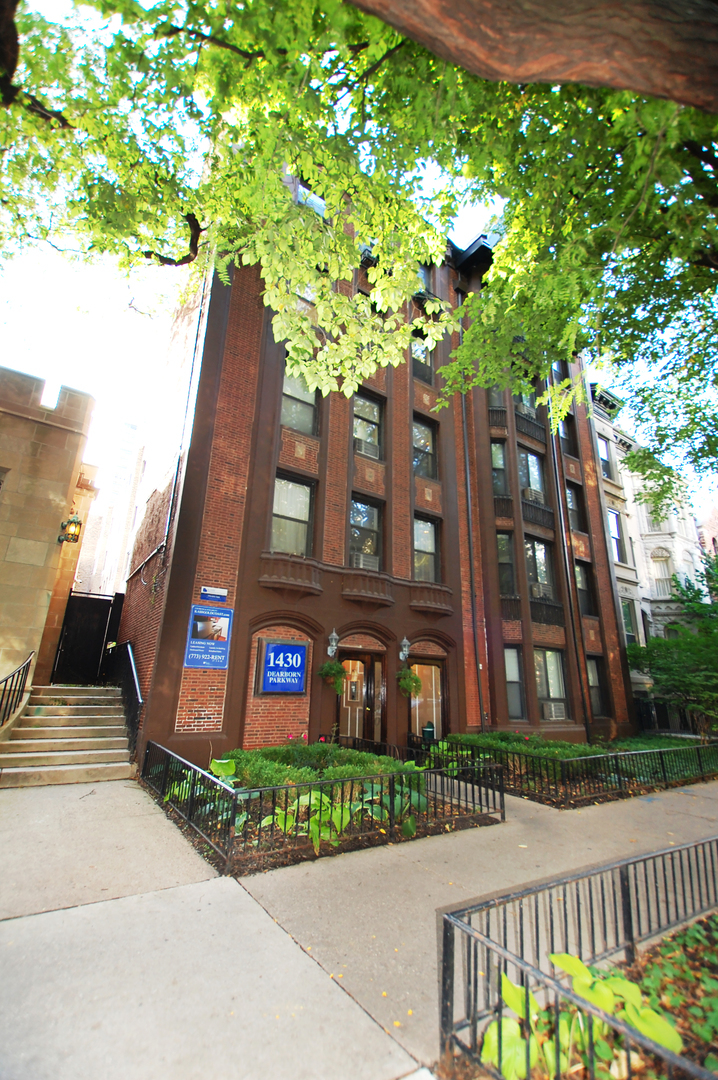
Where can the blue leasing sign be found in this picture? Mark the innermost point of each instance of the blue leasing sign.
(284, 667)
(208, 637)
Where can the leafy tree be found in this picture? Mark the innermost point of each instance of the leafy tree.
(684, 669)
(167, 120)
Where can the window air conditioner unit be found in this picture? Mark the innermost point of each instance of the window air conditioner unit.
(360, 561)
(554, 710)
(541, 592)
(368, 449)
(533, 495)
(526, 410)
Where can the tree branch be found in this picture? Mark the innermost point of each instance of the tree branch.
(195, 231)
(172, 31)
(662, 48)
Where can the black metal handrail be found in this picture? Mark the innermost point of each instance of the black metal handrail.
(267, 820)
(12, 687)
(596, 915)
(119, 669)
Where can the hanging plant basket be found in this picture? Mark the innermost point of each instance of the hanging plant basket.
(333, 674)
(409, 682)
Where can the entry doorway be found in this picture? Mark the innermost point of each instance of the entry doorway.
(428, 705)
(361, 705)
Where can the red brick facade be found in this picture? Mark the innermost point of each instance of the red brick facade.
(224, 509)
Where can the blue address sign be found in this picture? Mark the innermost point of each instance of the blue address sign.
(284, 667)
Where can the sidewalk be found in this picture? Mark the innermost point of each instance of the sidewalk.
(125, 956)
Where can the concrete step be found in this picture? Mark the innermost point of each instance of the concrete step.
(50, 745)
(63, 690)
(75, 710)
(75, 731)
(64, 774)
(63, 757)
(57, 701)
(72, 721)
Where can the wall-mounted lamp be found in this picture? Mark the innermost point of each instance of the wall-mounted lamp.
(404, 649)
(70, 530)
(333, 642)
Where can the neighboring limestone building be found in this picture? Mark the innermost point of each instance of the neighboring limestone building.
(41, 474)
(466, 542)
(646, 552)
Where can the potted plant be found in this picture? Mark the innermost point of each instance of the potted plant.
(409, 682)
(334, 674)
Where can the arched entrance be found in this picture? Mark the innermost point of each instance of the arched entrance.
(362, 705)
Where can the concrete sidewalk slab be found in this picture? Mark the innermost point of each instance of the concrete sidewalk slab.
(369, 916)
(189, 982)
(64, 845)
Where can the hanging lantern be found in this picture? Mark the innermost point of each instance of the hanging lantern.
(70, 530)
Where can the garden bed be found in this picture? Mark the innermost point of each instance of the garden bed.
(567, 774)
(335, 804)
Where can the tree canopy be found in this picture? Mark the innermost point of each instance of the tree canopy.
(185, 132)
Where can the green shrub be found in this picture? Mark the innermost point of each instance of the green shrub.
(254, 770)
(537, 746)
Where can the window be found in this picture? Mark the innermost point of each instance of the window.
(605, 455)
(616, 534)
(426, 550)
(596, 685)
(367, 426)
(584, 584)
(498, 468)
(291, 517)
(514, 683)
(539, 568)
(576, 513)
(421, 360)
(671, 632)
(530, 473)
(559, 370)
(364, 535)
(424, 450)
(653, 524)
(424, 275)
(645, 619)
(496, 397)
(550, 685)
(525, 403)
(629, 621)
(306, 197)
(507, 580)
(662, 571)
(299, 406)
(567, 435)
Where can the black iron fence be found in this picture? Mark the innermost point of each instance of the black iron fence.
(597, 916)
(12, 687)
(118, 669)
(571, 781)
(323, 814)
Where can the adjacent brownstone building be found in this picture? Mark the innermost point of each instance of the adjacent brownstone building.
(470, 539)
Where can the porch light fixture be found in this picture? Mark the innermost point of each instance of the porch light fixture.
(333, 642)
(404, 649)
(70, 530)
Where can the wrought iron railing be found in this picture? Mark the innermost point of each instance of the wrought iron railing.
(548, 612)
(503, 506)
(572, 781)
(511, 608)
(497, 417)
(597, 915)
(248, 826)
(118, 669)
(537, 513)
(12, 687)
(527, 426)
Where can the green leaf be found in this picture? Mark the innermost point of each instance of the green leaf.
(655, 1027)
(222, 767)
(515, 997)
(625, 989)
(597, 992)
(571, 965)
(408, 826)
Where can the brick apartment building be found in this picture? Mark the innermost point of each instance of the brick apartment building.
(472, 534)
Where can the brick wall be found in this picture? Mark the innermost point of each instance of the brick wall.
(543, 634)
(369, 475)
(335, 504)
(362, 641)
(299, 451)
(512, 630)
(272, 718)
(202, 692)
(401, 512)
(427, 648)
(144, 592)
(427, 495)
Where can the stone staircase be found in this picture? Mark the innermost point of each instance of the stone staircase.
(67, 735)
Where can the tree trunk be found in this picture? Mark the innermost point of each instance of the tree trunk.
(664, 48)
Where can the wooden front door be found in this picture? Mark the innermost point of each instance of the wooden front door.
(361, 704)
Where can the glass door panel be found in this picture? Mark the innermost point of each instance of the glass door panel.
(352, 702)
(426, 705)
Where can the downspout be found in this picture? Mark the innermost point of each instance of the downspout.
(470, 522)
(568, 568)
